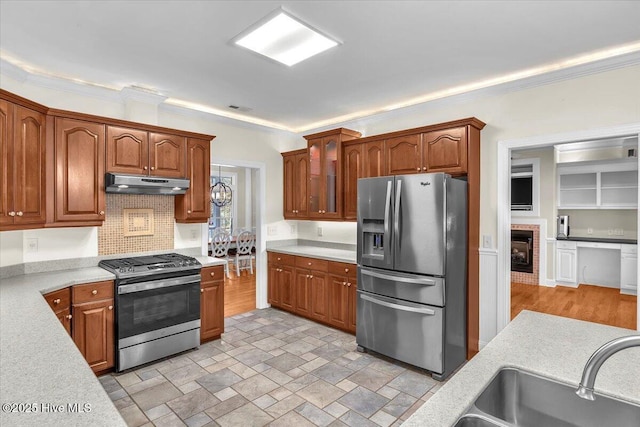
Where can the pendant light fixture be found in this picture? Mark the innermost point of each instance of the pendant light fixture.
(220, 192)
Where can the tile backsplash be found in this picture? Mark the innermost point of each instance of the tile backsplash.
(111, 238)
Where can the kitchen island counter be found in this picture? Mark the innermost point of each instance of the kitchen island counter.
(550, 346)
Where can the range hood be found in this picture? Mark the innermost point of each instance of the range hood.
(138, 184)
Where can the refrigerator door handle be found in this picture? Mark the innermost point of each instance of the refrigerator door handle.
(398, 306)
(417, 280)
(387, 211)
(396, 218)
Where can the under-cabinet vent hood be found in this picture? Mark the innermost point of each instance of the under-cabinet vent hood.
(136, 184)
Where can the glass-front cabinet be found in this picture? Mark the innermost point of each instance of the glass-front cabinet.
(325, 180)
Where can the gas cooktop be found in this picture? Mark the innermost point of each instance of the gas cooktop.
(144, 265)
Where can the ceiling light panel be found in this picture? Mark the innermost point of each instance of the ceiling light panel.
(285, 39)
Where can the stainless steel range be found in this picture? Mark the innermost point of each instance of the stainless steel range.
(157, 301)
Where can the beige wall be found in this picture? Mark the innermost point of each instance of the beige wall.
(601, 221)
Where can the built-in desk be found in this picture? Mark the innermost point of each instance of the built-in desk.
(605, 262)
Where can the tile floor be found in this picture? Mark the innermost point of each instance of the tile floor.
(271, 368)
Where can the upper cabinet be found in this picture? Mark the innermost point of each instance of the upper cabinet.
(295, 169)
(195, 204)
(610, 184)
(139, 152)
(353, 169)
(325, 172)
(403, 154)
(445, 151)
(78, 164)
(22, 179)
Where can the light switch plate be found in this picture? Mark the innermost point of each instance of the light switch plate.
(319, 231)
(272, 230)
(589, 230)
(486, 241)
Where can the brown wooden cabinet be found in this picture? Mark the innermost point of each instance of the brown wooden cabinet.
(342, 293)
(60, 303)
(403, 155)
(324, 186)
(127, 151)
(295, 171)
(445, 151)
(167, 155)
(211, 303)
(281, 281)
(22, 178)
(93, 323)
(78, 154)
(352, 170)
(321, 290)
(195, 204)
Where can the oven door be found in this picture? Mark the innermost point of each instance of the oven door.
(156, 308)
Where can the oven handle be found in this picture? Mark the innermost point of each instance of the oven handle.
(157, 284)
(398, 306)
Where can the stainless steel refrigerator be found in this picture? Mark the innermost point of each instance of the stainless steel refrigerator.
(412, 269)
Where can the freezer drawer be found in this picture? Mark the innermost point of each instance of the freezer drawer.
(411, 333)
(405, 286)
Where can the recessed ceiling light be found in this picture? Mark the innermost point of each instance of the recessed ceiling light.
(283, 38)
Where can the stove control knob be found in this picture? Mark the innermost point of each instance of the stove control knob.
(131, 269)
(123, 269)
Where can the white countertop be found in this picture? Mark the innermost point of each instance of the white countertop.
(39, 363)
(320, 252)
(551, 346)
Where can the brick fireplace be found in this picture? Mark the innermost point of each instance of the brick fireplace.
(523, 260)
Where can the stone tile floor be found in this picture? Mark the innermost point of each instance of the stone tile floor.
(271, 368)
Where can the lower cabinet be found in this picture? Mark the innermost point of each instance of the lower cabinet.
(211, 303)
(60, 303)
(629, 269)
(93, 323)
(320, 290)
(566, 262)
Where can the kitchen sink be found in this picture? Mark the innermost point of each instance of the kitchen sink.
(518, 398)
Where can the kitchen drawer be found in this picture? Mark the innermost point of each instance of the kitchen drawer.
(92, 292)
(562, 244)
(212, 274)
(342, 268)
(629, 249)
(275, 257)
(59, 300)
(312, 263)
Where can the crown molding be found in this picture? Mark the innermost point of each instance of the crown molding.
(143, 95)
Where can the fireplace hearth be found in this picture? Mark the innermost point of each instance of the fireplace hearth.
(522, 251)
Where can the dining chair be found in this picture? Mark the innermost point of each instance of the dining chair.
(244, 251)
(220, 247)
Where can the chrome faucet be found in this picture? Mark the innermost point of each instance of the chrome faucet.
(585, 389)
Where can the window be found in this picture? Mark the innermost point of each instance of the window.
(525, 187)
(224, 216)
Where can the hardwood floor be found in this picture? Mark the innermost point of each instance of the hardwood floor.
(586, 302)
(239, 293)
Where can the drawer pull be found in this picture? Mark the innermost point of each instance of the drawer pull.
(94, 292)
(212, 274)
(348, 284)
(279, 258)
(56, 301)
(346, 270)
(110, 307)
(398, 306)
(308, 263)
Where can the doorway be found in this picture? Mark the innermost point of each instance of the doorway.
(505, 152)
(245, 290)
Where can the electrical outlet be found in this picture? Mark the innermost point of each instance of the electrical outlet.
(589, 230)
(194, 234)
(610, 232)
(619, 232)
(319, 231)
(294, 229)
(272, 230)
(486, 241)
(32, 245)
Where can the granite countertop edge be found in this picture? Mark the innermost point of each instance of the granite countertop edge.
(329, 254)
(34, 341)
(597, 240)
(550, 346)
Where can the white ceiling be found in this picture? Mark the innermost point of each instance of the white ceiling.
(392, 51)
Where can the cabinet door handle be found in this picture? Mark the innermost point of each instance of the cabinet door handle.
(12, 213)
(56, 301)
(188, 211)
(311, 276)
(424, 168)
(101, 213)
(94, 292)
(19, 213)
(212, 273)
(201, 290)
(153, 168)
(110, 307)
(346, 270)
(348, 284)
(344, 283)
(145, 168)
(68, 317)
